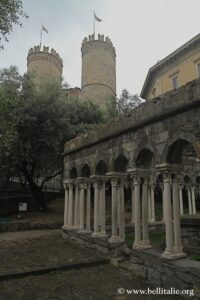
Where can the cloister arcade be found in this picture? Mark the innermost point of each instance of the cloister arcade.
(145, 163)
(87, 190)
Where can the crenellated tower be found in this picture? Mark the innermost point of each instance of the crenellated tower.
(98, 82)
(44, 65)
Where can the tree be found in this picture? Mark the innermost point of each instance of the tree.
(11, 12)
(36, 124)
(127, 102)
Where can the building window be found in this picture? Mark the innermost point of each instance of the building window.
(198, 69)
(175, 84)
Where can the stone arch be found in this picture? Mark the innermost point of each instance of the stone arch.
(73, 173)
(120, 163)
(144, 159)
(187, 179)
(101, 168)
(179, 135)
(85, 171)
(180, 151)
(198, 180)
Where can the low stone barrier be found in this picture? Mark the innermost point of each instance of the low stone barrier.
(190, 233)
(182, 274)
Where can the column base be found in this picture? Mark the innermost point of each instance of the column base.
(99, 235)
(115, 239)
(173, 254)
(142, 245)
(83, 231)
(69, 227)
(76, 227)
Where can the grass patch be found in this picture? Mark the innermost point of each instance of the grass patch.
(157, 239)
(129, 241)
(195, 257)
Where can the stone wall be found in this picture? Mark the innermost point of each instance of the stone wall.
(190, 231)
(183, 274)
(154, 125)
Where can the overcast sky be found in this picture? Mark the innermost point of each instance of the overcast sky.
(142, 31)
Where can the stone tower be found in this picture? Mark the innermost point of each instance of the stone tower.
(98, 82)
(44, 65)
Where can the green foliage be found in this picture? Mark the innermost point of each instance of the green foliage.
(122, 105)
(126, 102)
(195, 257)
(11, 12)
(83, 116)
(35, 124)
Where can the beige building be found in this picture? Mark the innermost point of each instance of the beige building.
(174, 71)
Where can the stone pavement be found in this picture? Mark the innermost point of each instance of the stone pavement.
(23, 251)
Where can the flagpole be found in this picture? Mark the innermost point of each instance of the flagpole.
(94, 25)
(41, 37)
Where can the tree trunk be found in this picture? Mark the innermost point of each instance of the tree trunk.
(38, 196)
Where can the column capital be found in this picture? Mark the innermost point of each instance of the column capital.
(114, 182)
(68, 183)
(136, 180)
(89, 185)
(180, 186)
(82, 186)
(169, 168)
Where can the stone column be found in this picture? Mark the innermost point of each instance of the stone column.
(152, 186)
(163, 203)
(76, 207)
(82, 205)
(133, 203)
(66, 206)
(114, 238)
(177, 224)
(149, 204)
(88, 208)
(96, 209)
(145, 227)
(168, 215)
(137, 242)
(194, 211)
(189, 200)
(121, 210)
(70, 205)
(181, 198)
(102, 209)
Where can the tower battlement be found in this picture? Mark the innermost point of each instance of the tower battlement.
(36, 49)
(101, 38)
(46, 64)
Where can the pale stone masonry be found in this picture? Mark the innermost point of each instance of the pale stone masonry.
(44, 65)
(98, 79)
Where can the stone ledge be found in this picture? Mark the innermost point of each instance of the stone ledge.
(44, 270)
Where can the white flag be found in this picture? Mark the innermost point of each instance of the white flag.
(96, 18)
(43, 28)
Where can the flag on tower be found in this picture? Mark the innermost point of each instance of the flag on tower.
(96, 18)
(43, 28)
